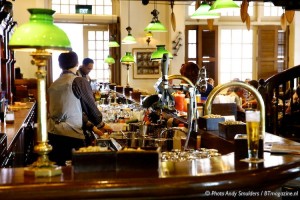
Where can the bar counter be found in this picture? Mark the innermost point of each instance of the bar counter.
(208, 177)
(17, 138)
(22, 115)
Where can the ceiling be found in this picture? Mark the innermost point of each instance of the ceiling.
(287, 4)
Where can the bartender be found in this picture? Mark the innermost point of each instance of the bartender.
(86, 67)
(70, 101)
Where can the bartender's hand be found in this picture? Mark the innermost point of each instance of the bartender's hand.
(97, 131)
(106, 128)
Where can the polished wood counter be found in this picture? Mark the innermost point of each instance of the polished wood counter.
(17, 146)
(206, 177)
(21, 115)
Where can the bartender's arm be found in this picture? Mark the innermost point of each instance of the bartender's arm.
(83, 91)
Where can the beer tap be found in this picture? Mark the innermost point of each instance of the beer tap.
(257, 95)
(201, 82)
(166, 96)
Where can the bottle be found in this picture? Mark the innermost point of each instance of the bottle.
(169, 141)
(198, 142)
(177, 140)
(182, 135)
(133, 138)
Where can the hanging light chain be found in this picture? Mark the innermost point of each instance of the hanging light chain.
(129, 13)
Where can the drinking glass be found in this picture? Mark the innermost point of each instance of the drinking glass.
(253, 134)
(179, 101)
(198, 98)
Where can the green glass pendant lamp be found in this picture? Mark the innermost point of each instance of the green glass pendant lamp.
(110, 61)
(155, 25)
(127, 60)
(40, 33)
(40, 36)
(203, 12)
(222, 5)
(112, 42)
(159, 52)
(129, 39)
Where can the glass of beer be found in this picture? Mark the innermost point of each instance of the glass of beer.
(253, 133)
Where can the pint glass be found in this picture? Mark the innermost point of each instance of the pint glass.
(253, 133)
(179, 102)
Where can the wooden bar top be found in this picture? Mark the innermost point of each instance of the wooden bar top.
(21, 114)
(182, 180)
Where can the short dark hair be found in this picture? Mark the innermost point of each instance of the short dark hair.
(87, 61)
(68, 60)
(254, 83)
(190, 70)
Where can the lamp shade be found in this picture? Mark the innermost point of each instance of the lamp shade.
(155, 27)
(127, 59)
(160, 51)
(203, 12)
(109, 60)
(40, 33)
(149, 34)
(129, 39)
(113, 44)
(221, 5)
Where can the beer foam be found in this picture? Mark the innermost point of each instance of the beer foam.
(253, 116)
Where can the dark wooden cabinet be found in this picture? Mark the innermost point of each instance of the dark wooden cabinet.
(7, 66)
(7, 25)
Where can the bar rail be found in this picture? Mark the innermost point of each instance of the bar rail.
(174, 180)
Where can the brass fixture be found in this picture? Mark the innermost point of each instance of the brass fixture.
(47, 38)
(257, 95)
(192, 109)
(149, 35)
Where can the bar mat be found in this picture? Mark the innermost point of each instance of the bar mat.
(252, 161)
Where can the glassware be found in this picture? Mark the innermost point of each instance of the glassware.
(179, 156)
(253, 134)
(198, 98)
(179, 101)
(10, 117)
(97, 96)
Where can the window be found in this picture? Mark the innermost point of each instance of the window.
(97, 49)
(91, 38)
(192, 45)
(89, 41)
(271, 10)
(99, 7)
(236, 54)
(236, 48)
(76, 42)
